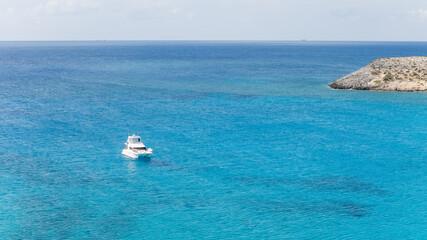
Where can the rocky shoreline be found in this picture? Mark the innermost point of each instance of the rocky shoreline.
(408, 74)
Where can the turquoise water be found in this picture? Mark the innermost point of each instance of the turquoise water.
(249, 142)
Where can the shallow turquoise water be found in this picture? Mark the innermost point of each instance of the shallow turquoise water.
(249, 142)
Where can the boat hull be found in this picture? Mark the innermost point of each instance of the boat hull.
(134, 155)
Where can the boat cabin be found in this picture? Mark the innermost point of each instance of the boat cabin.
(134, 143)
(134, 139)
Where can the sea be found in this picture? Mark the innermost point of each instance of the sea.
(249, 142)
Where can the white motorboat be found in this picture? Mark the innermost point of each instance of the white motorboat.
(135, 148)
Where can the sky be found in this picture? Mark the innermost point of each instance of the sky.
(342, 20)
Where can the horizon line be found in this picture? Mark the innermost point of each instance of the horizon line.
(204, 40)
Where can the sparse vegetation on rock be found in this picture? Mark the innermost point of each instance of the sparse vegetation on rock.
(388, 77)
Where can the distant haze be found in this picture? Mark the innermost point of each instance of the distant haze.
(375, 20)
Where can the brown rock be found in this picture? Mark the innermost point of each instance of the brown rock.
(388, 74)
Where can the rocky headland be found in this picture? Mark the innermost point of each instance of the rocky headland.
(407, 74)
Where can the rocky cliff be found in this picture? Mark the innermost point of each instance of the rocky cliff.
(388, 74)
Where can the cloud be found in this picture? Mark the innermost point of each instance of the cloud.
(68, 7)
(419, 15)
(349, 14)
(10, 10)
(190, 15)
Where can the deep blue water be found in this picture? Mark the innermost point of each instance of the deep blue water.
(249, 142)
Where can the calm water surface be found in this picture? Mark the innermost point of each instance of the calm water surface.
(249, 142)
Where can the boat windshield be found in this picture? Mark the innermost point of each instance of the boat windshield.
(139, 148)
(135, 139)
